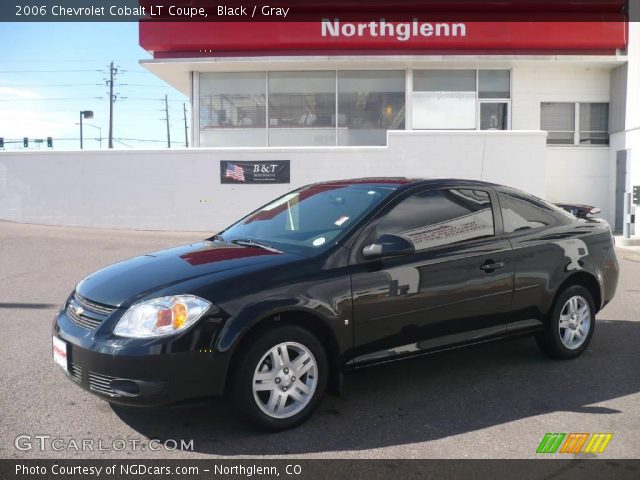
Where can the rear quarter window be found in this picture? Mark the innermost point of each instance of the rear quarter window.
(521, 213)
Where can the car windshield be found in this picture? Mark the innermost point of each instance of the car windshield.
(309, 219)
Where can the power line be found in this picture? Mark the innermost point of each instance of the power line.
(166, 111)
(75, 139)
(147, 99)
(186, 128)
(144, 85)
(112, 72)
(50, 71)
(133, 62)
(120, 142)
(45, 99)
(111, 83)
(141, 140)
(52, 99)
(59, 85)
(46, 85)
(145, 72)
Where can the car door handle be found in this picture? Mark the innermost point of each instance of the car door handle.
(489, 266)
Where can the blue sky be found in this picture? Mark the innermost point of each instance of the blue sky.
(49, 72)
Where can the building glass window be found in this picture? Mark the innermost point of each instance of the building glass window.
(302, 108)
(494, 115)
(444, 80)
(461, 99)
(444, 99)
(327, 108)
(232, 109)
(572, 123)
(559, 120)
(369, 104)
(494, 84)
(494, 92)
(594, 123)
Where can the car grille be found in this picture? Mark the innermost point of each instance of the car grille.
(87, 304)
(101, 384)
(75, 371)
(86, 313)
(82, 320)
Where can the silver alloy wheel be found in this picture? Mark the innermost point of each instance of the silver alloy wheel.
(575, 322)
(285, 380)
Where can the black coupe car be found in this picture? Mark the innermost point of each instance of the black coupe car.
(331, 277)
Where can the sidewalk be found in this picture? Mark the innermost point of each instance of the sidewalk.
(620, 244)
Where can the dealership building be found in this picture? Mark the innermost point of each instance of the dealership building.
(549, 107)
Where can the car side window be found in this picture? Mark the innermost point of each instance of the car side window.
(439, 217)
(522, 213)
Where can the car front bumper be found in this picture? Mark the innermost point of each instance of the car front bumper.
(140, 372)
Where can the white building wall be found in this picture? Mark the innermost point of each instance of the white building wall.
(580, 175)
(554, 81)
(633, 102)
(629, 137)
(574, 174)
(181, 190)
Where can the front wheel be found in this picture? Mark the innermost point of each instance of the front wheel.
(281, 378)
(570, 327)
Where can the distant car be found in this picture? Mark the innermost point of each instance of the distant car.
(331, 277)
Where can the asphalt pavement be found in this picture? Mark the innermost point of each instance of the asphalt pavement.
(495, 400)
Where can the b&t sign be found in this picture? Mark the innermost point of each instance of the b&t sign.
(273, 171)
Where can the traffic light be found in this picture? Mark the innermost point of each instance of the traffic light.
(1, 142)
(49, 142)
(25, 142)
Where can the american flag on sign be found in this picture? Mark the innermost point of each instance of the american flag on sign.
(235, 172)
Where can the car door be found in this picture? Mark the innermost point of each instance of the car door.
(541, 248)
(456, 287)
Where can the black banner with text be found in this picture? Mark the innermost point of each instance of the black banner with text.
(272, 171)
(319, 469)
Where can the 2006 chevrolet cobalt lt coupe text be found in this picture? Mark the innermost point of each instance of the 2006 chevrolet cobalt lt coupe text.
(330, 277)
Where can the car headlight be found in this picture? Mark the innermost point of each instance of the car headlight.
(161, 316)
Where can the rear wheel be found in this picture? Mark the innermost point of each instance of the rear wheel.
(281, 378)
(569, 329)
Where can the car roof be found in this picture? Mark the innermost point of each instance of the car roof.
(398, 182)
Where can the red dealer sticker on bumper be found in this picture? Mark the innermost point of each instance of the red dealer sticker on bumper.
(60, 352)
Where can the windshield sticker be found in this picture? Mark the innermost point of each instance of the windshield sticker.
(341, 220)
(319, 241)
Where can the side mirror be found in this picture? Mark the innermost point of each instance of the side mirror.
(388, 245)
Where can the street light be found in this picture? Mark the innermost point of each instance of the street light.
(84, 114)
(94, 126)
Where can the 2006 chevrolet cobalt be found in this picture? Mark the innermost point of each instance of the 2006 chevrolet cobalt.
(330, 277)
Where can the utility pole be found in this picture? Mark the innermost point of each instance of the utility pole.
(166, 110)
(112, 72)
(186, 129)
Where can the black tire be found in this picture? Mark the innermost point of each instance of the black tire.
(550, 339)
(242, 382)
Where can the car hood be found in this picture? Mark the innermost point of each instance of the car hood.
(126, 282)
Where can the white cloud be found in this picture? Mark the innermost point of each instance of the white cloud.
(33, 123)
(9, 92)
